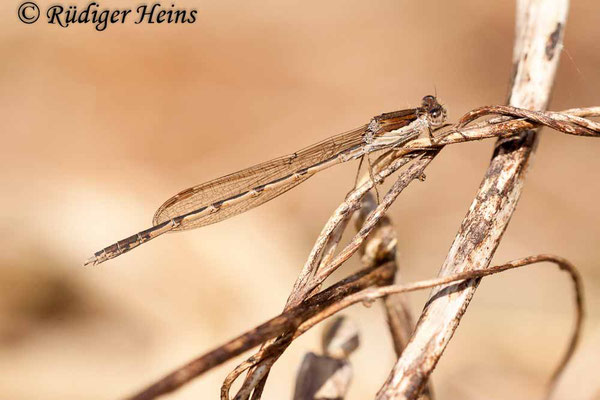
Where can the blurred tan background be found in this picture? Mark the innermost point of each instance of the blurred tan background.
(99, 128)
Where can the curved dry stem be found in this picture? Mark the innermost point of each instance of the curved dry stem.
(566, 123)
(414, 172)
(280, 325)
(264, 353)
(317, 268)
(387, 164)
(372, 294)
(384, 168)
(321, 254)
(237, 371)
(299, 319)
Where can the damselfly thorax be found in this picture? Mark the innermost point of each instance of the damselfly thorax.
(241, 191)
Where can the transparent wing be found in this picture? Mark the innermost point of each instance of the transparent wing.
(229, 186)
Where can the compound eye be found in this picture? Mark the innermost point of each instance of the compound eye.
(428, 100)
(437, 115)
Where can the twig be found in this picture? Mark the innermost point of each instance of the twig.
(372, 294)
(540, 26)
(286, 322)
(309, 279)
(307, 283)
(386, 165)
(341, 214)
(563, 121)
(256, 377)
(320, 264)
(380, 248)
(350, 291)
(414, 172)
(319, 275)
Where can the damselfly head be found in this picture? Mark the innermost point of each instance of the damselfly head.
(434, 111)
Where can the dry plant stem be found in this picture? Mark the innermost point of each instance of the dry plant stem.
(280, 325)
(465, 278)
(355, 289)
(566, 121)
(570, 124)
(380, 247)
(321, 254)
(381, 243)
(388, 164)
(249, 363)
(540, 25)
(505, 127)
(257, 377)
(415, 171)
(324, 249)
(304, 285)
(340, 215)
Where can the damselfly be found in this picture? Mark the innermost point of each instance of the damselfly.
(241, 191)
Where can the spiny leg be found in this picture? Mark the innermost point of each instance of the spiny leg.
(362, 158)
(372, 176)
(430, 132)
(433, 139)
